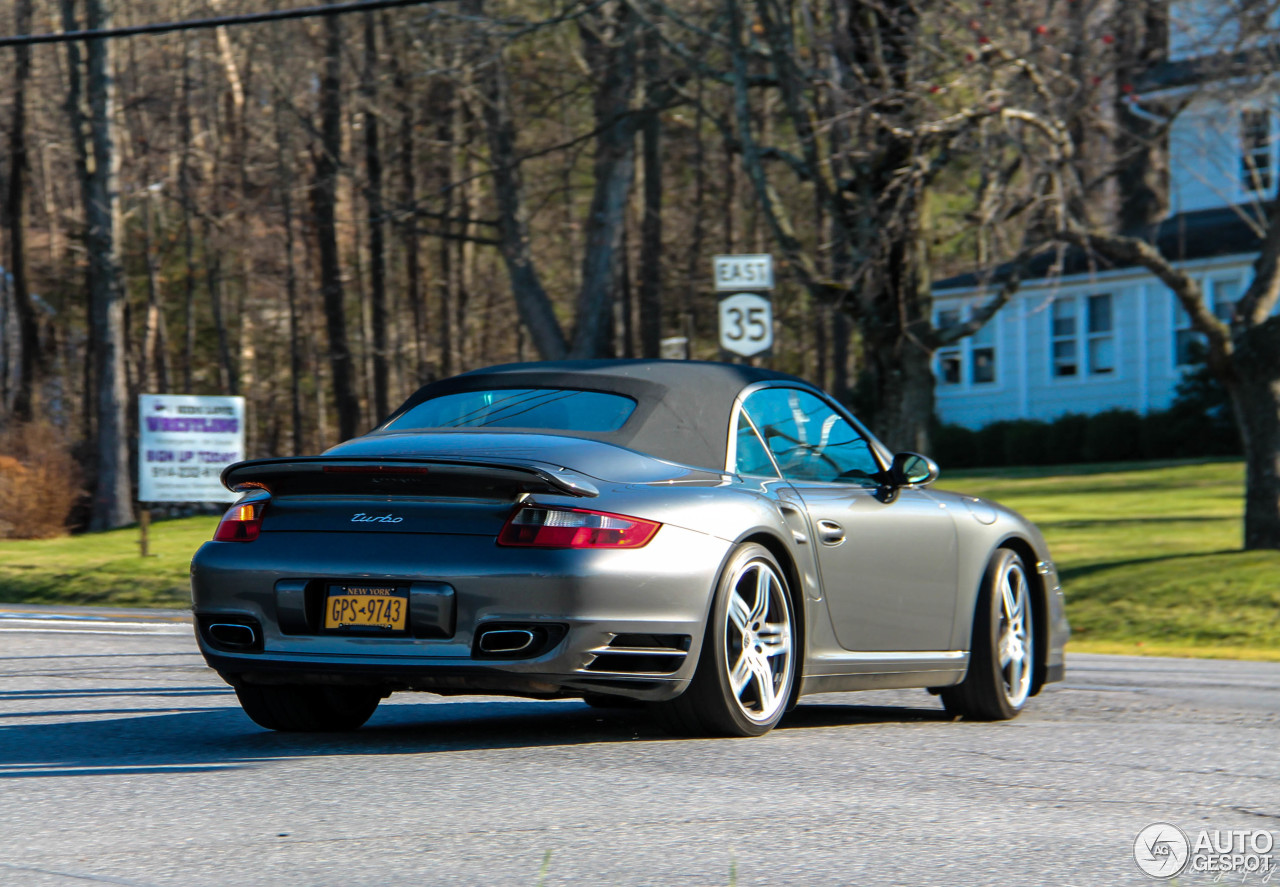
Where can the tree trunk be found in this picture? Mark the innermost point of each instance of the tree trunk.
(80, 143)
(897, 386)
(1256, 404)
(537, 313)
(609, 46)
(650, 296)
(188, 230)
(1142, 149)
(377, 220)
(154, 362)
(284, 180)
(112, 498)
(229, 376)
(408, 225)
(442, 101)
(15, 215)
(461, 267)
(324, 195)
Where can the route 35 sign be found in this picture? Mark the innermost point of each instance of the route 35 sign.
(746, 324)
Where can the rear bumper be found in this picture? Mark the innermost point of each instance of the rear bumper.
(625, 622)
(444, 678)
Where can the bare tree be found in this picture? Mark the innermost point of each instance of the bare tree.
(16, 218)
(112, 498)
(377, 220)
(609, 46)
(651, 253)
(324, 201)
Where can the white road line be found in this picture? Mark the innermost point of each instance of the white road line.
(83, 623)
(160, 632)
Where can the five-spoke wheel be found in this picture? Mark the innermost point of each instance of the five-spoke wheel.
(757, 639)
(1002, 652)
(1014, 633)
(747, 668)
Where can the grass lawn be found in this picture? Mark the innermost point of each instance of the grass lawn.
(1149, 556)
(105, 568)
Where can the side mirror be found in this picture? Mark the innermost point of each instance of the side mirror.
(912, 470)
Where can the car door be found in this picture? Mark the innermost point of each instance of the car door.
(887, 558)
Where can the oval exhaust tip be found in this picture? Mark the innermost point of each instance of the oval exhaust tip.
(232, 635)
(507, 640)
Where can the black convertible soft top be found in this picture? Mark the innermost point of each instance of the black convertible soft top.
(683, 407)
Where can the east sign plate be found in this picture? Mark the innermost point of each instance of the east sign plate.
(746, 324)
(743, 272)
(184, 442)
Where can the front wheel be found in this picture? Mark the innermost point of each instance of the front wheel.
(307, 709)
(748, 663)
(1002, 652)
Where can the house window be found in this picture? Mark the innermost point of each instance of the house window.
(1101, 333)
(1094, 341)
(977, 352)
(1255, 151)
(1221, 293)
(1225, 292)
(982, 355)
(950, 362)
(949, 366)
(1063, 338)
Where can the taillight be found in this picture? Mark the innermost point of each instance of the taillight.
(537, 526)
(241, 523)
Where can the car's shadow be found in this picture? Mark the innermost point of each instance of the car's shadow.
(160, 739)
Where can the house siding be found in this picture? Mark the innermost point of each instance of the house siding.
(1145, 375)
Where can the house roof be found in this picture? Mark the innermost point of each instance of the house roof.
(1201, 69)
(1202, 234)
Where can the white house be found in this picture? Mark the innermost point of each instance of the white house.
(1096, 337)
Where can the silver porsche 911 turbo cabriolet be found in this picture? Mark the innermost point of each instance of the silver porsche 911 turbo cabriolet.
(713, 540)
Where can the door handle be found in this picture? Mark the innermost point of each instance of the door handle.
(830, 532)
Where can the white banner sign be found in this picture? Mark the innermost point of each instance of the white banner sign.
(746, 272)
(184, 442)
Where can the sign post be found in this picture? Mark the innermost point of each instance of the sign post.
(746, 318)
(184, 442)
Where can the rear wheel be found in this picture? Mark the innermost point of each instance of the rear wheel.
(1002, 652)
(308, 709)
(748, 662)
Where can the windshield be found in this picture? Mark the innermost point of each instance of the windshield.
(552, 409)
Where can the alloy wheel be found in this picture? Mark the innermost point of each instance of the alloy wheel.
(758, 641)
(1014, 645)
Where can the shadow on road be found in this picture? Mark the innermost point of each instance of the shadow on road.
(193, 740)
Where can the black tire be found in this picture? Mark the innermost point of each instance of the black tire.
(993, 690)
(752, 646)
(308, 709)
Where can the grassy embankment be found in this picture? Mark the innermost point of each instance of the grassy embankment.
(1149, 556)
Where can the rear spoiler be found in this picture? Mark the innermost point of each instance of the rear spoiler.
(404, 475)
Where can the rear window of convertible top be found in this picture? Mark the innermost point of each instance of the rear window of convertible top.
(552, 409)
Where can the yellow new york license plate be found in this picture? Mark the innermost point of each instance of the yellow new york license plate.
(376, 607)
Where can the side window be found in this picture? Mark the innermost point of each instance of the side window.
(750, 456)
(809, 440)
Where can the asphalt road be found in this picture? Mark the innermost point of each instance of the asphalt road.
(124, 760)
